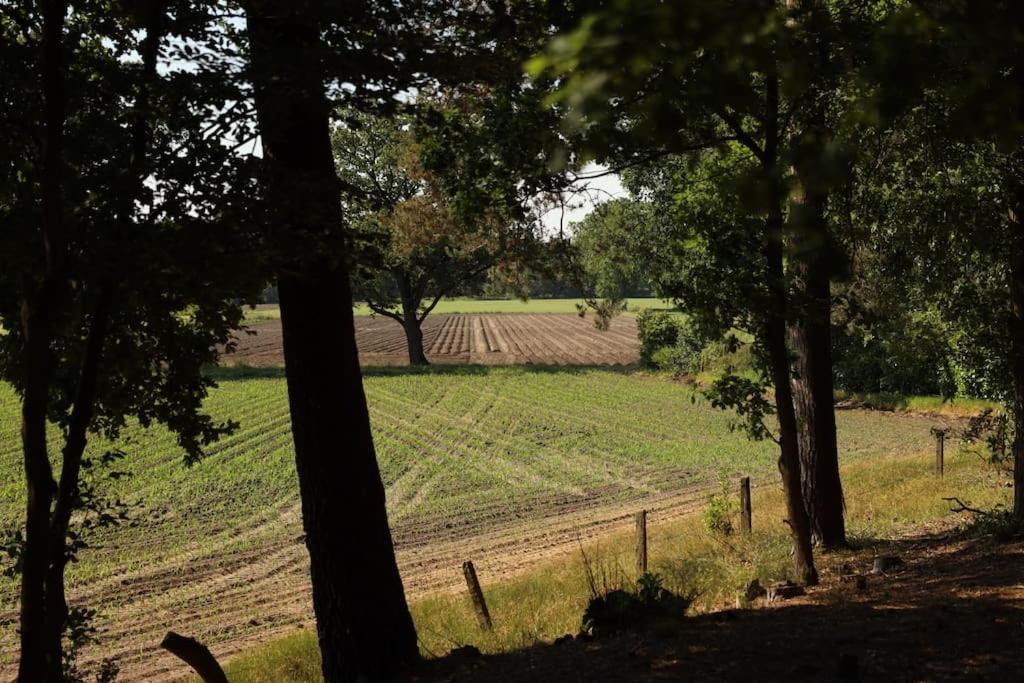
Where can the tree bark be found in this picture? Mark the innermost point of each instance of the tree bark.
(815, 409)
(363, 623)
(789, 446)
(774, 334)
(411, 323)
(40, 661)
(1016, 323)
(811, 331)
(813, 390)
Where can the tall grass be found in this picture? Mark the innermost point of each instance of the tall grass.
(884, 497)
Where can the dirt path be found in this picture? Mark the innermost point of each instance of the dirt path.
(259, 588)
(953, 611)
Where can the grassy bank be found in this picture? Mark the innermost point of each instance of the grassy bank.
(884, 496)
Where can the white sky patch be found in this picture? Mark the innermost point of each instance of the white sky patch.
(594, 187)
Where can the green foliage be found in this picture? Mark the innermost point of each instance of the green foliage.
(747, 398)
(657, 330)
(909, 354)
(613, 264)
(413, 248)
(992, 429)
(720, 509)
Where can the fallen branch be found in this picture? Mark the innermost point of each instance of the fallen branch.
(963, 507)
(196, 655)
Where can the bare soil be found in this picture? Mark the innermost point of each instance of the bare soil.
(245, 595)
(489, 339)
(953, 611)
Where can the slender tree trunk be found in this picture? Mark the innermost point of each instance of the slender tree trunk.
(363, 622)
(39, 660)
(776, 347)
(71, 464)
(811, 338)
(789, 445)
(1016, 230)
(811, 331)
(813, 401)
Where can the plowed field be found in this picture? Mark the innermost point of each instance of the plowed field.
(505, 466)
(502, 339)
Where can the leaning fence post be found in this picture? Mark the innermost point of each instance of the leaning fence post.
(745, 507)
(477, 596)
(641, 542)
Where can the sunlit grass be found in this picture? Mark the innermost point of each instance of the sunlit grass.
(884, 497)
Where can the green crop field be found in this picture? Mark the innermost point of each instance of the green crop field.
(461, 449)
(481, 306)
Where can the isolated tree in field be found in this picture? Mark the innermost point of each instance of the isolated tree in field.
(416, 249)
(363, 623)
(116, 277)
(609, 253)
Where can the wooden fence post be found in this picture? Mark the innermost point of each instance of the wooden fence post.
(641, 542)
(940, 452)
(477, 596)
(745, 507)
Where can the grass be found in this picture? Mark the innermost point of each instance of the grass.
(452, 442)
(883, 496)
(457, 445)
(468, 305)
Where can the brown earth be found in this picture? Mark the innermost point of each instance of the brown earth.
(489, 339)
(953, 611)
(239, 597)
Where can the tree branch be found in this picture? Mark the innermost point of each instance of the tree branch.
(377, 308)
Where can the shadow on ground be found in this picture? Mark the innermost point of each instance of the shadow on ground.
(953, 611)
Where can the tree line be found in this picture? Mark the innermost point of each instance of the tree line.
(793, 161)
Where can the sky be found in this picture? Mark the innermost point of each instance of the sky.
(586, 196)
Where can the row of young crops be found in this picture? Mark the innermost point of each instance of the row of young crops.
(460, 449)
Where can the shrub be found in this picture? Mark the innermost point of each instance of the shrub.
(619, 610)
(908, 355)
(719, 511)
(656, 330)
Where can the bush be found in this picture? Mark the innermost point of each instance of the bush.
(656, 330)
(618, 610)
(719, 511)
(911, 355)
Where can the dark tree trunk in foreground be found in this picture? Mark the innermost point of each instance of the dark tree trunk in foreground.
(40, 656)
(1016, 230)
(363, 623)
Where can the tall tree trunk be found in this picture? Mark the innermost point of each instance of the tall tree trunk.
(811, 340)
(363, 623)
(1016, 230)
(40, 659)
(811, 337)
(774, 334)
(789, 445)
